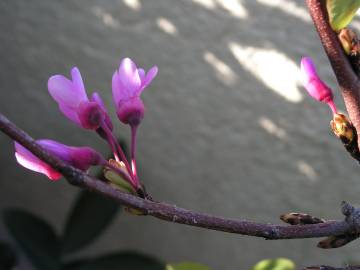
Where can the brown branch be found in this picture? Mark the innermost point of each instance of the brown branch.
(325, 267)
(169, 212)
(348, 81)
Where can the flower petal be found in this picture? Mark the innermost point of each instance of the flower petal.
(70, 113)
(25, 158)
(141, 72)
(78, 84)
(60, 88)
(308, 69)
(150, 75)
(66, 92)
(60, 150)
(115, 88)
(129, 76)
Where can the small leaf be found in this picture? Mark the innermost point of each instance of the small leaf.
(275, 264)
(91, 214)
(123, 260)
(187, 266)
(341, 12)
(36, 238)
(7, 256)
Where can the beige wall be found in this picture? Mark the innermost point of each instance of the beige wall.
(228, 129)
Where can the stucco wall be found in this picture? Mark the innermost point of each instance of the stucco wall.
(228, 129)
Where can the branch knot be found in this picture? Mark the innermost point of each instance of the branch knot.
(352, 216)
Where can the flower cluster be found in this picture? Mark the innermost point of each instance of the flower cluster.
(128, 82)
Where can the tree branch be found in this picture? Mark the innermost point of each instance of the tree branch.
(348, 81)
(169, 212)
(325, 267)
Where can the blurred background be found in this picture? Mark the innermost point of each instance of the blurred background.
(228, 128)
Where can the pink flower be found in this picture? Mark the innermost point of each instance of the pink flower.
(128, 82)
(74, 103)
(314, 85)
(80, 157)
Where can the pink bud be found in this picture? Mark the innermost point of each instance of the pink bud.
(314, 85)
(80, 157)
(128, 82)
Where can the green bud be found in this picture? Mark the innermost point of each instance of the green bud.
(278, 264)
(343, 128)
(300, 219)
(116, 179)
(348, 40)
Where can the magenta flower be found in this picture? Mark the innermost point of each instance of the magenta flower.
(314, 85)
(128, 82)
(74, 103)
(80, 157)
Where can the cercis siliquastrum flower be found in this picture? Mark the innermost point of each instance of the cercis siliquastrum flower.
(128, 82)
(79, 157)
(314, 85)
(90, 113)
(341, 125)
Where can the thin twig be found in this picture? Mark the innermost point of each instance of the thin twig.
(169, 212)
(348, 81)
(325, 267)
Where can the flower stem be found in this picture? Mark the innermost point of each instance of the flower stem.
(332, 106)
(133, 150)
(119, 151)
(110, 141)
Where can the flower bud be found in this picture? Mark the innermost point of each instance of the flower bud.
(128, 82)
(79, 157)
(336, 241)
(343, 128)
(314, 85)
(117, 180)
(348, 39)
(74, 103)
(300, 219)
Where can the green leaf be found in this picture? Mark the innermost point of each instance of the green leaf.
(76, 265)
(7, 256)
(275, 264)
(341, 12)
(187, 266)
(91, 214)
(36, 238)
(123, 260)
